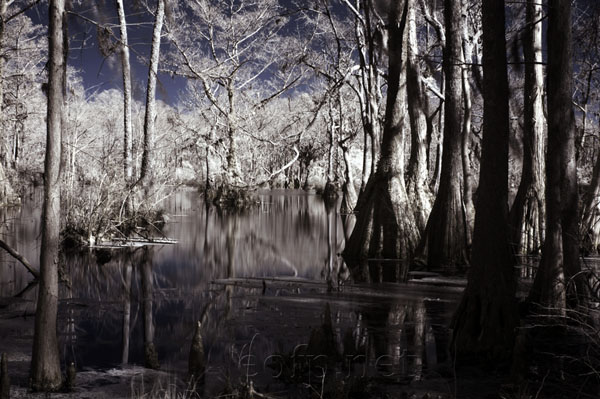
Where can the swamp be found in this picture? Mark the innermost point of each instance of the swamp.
(320, 199)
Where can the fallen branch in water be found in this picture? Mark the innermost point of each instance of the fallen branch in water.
(20, 258)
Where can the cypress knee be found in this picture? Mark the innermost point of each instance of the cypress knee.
(197, 363)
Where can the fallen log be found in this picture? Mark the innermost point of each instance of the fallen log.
(20, 258)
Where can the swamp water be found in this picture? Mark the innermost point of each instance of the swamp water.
(277, 306)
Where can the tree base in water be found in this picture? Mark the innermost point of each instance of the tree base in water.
(151, 357)
(331, 191)
(231, 198)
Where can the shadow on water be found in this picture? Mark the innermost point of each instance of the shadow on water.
(261, 283)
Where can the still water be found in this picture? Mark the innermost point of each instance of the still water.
(262, 283)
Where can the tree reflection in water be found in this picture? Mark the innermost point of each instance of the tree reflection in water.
(153, 297)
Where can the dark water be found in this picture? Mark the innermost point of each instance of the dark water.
(215, 274)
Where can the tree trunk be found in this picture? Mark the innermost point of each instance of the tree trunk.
(349, 196)
(233, 171)
(445, 238)
(418, 171)
(385, 226)
(331, 132)
(348, 190)
(371, 71)
(370, 93)
(558, 275)
(486, 319)
(127, 127)
(45, 361)
(528, 210)
(364, 176)
(467, 48)
(65, 150)
(434, 184)
(147, 172)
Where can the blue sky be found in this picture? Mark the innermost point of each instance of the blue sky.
(102, 73)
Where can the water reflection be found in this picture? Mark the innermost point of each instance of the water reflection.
(127, 269)
(258, 282)
(147, 280)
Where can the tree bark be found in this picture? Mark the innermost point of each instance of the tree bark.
(418, 171)
(528, 210)
(233, 171)
(485, 321)
(333, 142)
(445, 238)
(147, 172)
(45, 361)
(370, 92)
(467, 49)
(558, 276)
(370, 71)
(385, 226)
(127, 127)
(349, 196)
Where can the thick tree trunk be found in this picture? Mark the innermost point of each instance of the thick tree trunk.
(486, 319)
(558, 275)
(418, 171)
(467, 49)
(127, 127)
(370, 70)
(528, 210)
(233, 175)
(45, 361)
(370, 93)
(385, 226)
(147, 172)
(445, 238)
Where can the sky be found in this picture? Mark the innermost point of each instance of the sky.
(101, 73)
